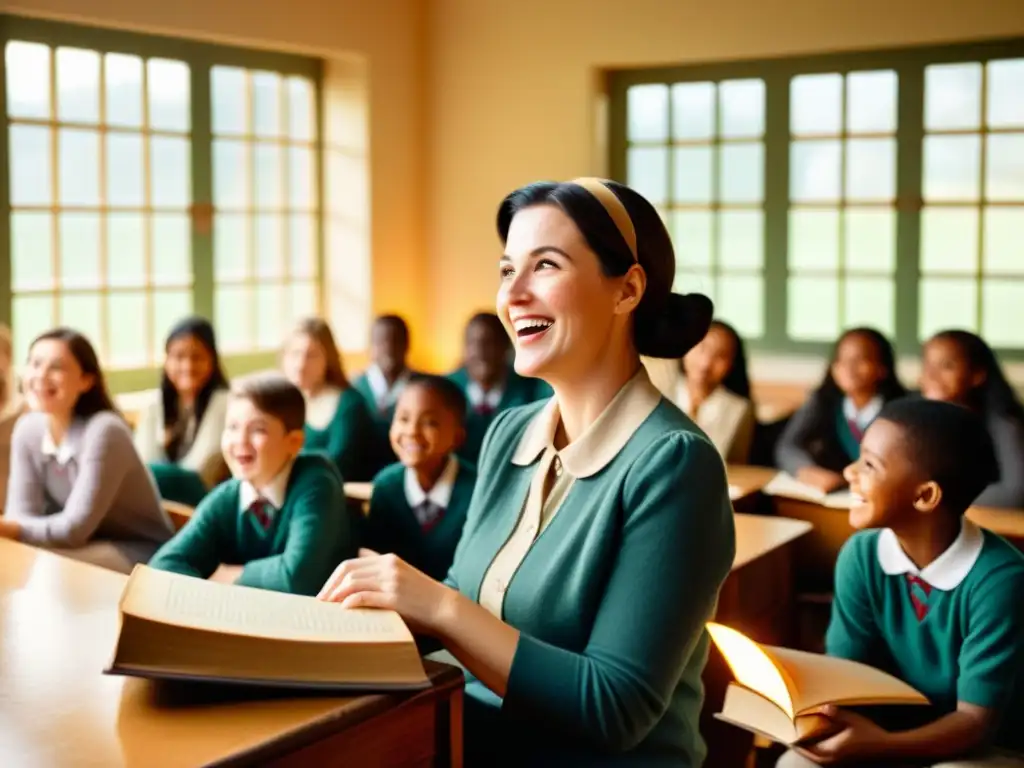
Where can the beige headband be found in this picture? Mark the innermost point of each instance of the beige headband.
(614, 207)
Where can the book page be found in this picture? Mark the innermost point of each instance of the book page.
(170, 598)
(752, 667)
(789, 487)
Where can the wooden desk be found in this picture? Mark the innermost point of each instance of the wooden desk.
(745, 483)
(178, 512)
(58, 623)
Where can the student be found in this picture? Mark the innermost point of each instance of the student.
(958, 367)
(178, 432)
(600, 528)
(338, 423)
(12, 406)
(824, 435)
(77, 484)
(925, 594)
(280, 524)
(419, 505)
(489, 381)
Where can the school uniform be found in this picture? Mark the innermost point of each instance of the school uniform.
(953, 630)
(421, 527)
(381, 399)
(288, 536)
(825, 433)
(607, 556)
(200, 464)
(514, 391)
(339, 425)
(728, 419)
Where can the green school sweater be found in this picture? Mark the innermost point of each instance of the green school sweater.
(379, 453)
(391, 525)
(306, 540)
(346, 437)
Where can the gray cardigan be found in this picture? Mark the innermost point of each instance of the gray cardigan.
(102, 491)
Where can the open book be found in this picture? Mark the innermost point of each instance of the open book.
(175, 626)
(777, 690)
(791, 488)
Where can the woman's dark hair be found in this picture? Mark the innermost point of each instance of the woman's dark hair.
(200, 329)
(889, 388)
(736, 380)
(96, 398)
(994, 394)
(665, 324)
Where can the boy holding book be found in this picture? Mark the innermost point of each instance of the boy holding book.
(280, 523)
(419, 505)
(923, 593)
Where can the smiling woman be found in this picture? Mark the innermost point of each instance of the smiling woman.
(600, 528)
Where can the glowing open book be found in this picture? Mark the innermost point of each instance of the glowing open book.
(789, 487)
(778, 690)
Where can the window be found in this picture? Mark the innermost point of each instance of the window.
(810, 195)
(149, 178)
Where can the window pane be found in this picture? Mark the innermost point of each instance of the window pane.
(30, 165)
(78, 85)
(124, 90)
(172, 249)
(949, 240)
(128, 321)
(168, 308)
(741, 177)
(740, 301)
(302, 255)
(31, 251)
(814, 171)
(692, 174)
(266, 104)
(952, 96)
(871, 170)
(1006, 93)
(871, 102)
(694, 282)
(230, 174)
(871, 301)
(81, 311)
(1004, 179)
(172, 177)
(946, 303)
(169, 95)
(270, 320)
(229, 97)
(231, 247)
(28, 79)
(124, 170)
(816, 104)
(233, 317)
(813, 308)
(300, 178)
(268, 176)
(951, 167)
(1002, 312)
(79, 167)
(741, 104)
(303, 302)
(269, 259)
(1004, 240)
(646, 172)
(870, 240)
(31, 316)
(693, 112)
(301, 113)
(741, 239)
(126, 251)
(813, 240)
(79, 250)
(691, 238)
(647, 113)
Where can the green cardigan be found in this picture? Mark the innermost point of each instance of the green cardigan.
(306, 540)
(391, 525)
(345, 437)
(611, 600)
(519, 390)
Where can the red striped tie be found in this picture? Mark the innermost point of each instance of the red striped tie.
(260, 513)
(920, 606)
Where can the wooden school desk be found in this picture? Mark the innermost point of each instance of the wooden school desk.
(745, 484)
(58, 624)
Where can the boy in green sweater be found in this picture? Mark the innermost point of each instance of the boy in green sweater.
(923, 593)
(419, 505)
(280, 523)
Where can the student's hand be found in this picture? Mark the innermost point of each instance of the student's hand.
(9, 529)
(859, 739)
(387, 581)
(227, 574)
(824, 480)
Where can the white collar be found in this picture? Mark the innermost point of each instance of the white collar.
(274, 492)
(865, 415)
(384, 395)
(63, 453)
(947, 570)
(491, 398)
(440, 495)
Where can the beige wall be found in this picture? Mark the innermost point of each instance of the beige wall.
(513, 94)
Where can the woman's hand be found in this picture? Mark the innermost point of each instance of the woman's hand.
(386, 581)
(824, 480)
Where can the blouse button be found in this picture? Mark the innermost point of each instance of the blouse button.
(558, 466)
(500, 586)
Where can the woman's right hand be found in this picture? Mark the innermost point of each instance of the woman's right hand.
(824, 480)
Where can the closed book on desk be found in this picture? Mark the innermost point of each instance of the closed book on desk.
(778, 690)
(789, 487)
(180, 627)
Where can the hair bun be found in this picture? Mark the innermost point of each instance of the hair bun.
(676, 327)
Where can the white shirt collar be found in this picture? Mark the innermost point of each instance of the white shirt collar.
(63, 453)
(440, 494)
(384, 395)
(274, 492)
(947, 570)
(865, 415)
(491, 398)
